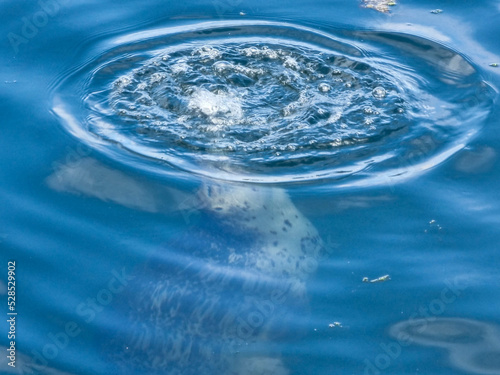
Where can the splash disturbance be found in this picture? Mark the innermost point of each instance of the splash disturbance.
(269, 102)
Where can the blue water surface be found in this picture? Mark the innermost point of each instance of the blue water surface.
(236, 187)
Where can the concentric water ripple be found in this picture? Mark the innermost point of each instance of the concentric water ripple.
(268, 102)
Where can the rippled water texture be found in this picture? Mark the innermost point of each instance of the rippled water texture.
(217, 183)
(268, 102)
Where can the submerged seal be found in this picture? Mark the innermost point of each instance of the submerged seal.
(227, 298)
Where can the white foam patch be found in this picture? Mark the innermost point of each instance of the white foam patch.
(291, 63)
(260, 52)
(180, 67)
(220, 108)
(157, 77)
(208, 52)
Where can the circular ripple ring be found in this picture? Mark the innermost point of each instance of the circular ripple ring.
(272, 102)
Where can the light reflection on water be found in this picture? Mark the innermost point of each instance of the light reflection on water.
(205, 284)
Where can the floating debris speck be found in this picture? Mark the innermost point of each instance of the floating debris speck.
(335, 324)
(377, 280)
(494, 65)
(436, 11)
(379, 5)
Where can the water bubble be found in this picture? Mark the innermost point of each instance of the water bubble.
(324, 87)
(222, 66)
(121, 83)
(291, 63)
(208, 52)
(156, 77)
(379, 92)
(250, 51)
